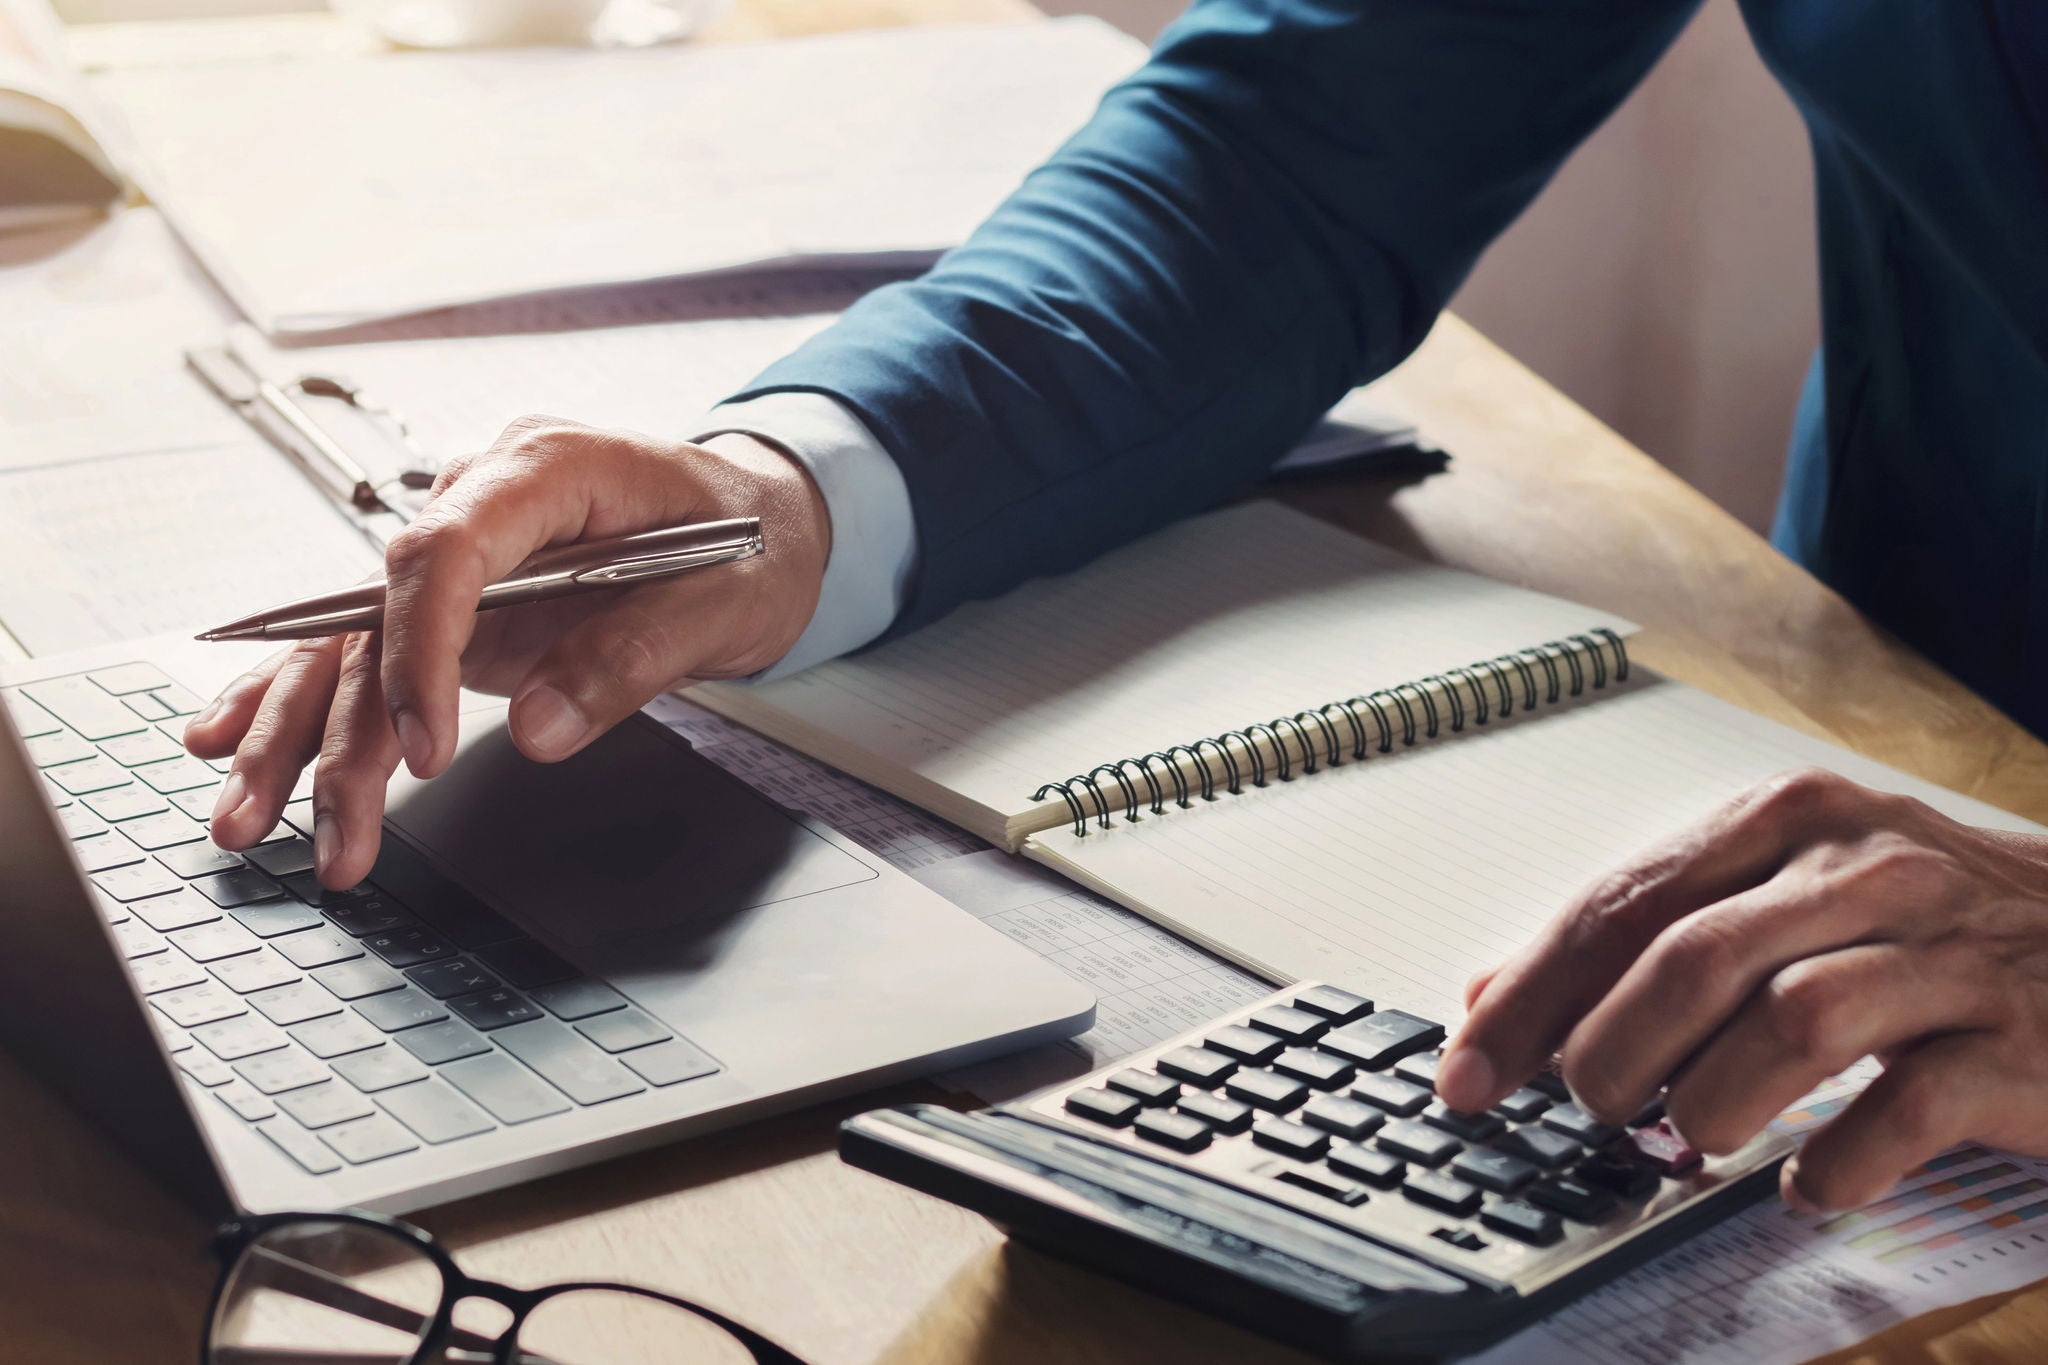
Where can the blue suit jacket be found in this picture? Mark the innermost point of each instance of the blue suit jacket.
(1276, 207)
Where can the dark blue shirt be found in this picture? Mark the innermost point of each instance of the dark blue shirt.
(1277, 206)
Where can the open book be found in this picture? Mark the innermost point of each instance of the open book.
(51, 168)
(1311, 755)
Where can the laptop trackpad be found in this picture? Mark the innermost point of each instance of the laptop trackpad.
(635, 838)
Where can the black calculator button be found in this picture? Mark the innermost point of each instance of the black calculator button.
(1575, 1199)
(1319, 1069)
(1581, 1126)
(1524, 1105)
(1290, 1139)
(1168, 1129)
(1397, 1097)
(1197, 1066)
(1346, 1192)
(1345, 1118)
(1412, 1141)
(1522, 1222)
(1464, 1239)
(1382, 1038)
(1541, 1146)
(1226, 1116)
(1337, 1006)
(1617, 1175)
(1436, 1190)
(1105, 1107)
(1491, 1170)
(1249, 1045)
(1551, 1082)
(1144, 1087)
(1420, 1068)
(1296, 1026)
(1363, 1163)
(1471, 1127)
(1266, 1090)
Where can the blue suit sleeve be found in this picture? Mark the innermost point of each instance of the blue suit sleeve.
(1273, 210)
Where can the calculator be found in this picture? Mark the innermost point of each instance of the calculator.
(1289, 1167)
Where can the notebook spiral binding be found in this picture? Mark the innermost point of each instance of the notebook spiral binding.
(1371, 721)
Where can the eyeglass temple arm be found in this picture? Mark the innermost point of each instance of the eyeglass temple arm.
(314, 1285)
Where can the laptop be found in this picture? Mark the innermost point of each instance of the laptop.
(549, 965)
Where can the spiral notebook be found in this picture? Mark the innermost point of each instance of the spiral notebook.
(1310, 754)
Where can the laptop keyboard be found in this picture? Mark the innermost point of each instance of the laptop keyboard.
(345, 1027)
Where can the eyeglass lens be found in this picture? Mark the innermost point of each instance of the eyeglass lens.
(325, 1293)
(620, 1327)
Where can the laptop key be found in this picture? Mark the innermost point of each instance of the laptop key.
(247, 1101)
(88, 775)
(164, 829)
(524, 963)
(316, 1106)
(284, 857)
(178, 700)
(204, 1068)
(146, 878)
(360, 915)
(181, 774)
(624, 1030)
(123, 679)
(233, 1039)
(255, 971)
(401, 1009)
(139, 940)
(270, 919)
(380, 1068)
(243, 886)
(362, 977)
(573, 1000)
(447, 1041)
(194, 859)
(316, 947)
(295, 1004)
(131, 802)
(435, 1112)
(80, 823)
(446, 980)
(568, 1063)
(408, 946)
(211, 942)
(307, 888)
(192, 1006)
(370, 1139)
(276, 1072)
(144, 746)
(30, 719)
(166, 972)
(508, 1090)
(88, 709)
(104, 852)
(336, 1035)
(301, 1146)
(146, 705)
(179, 910)
(47, 751)
(496, 1009)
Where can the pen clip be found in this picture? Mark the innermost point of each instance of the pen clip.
(654, 566)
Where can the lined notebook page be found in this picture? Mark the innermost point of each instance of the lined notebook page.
(1403, 875)
(1222, 621)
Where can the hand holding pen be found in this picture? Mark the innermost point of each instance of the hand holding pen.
(574, 665)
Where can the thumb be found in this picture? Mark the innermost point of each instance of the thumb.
(598, 672)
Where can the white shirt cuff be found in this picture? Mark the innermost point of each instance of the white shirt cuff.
(874, 539)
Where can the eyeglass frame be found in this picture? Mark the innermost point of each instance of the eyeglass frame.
(233, 1239)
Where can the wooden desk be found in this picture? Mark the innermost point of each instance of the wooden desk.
(97, 1265)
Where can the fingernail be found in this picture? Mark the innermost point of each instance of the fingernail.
(232, 793)
(1465, 1078)
(326, 841)
(413, 740)
(552, 724)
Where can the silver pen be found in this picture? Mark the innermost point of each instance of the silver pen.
(588, 566)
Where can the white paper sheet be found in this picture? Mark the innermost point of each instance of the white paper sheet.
(326, 192)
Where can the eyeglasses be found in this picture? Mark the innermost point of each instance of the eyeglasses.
(362, 1289)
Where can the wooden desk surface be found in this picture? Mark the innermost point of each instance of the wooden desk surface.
(97, 1265)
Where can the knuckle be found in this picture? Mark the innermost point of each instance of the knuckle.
(1618, 901)
(1699, 948)
(1800, 793)
(628, 661)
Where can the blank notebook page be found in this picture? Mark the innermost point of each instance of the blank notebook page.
(1405, 874)
(1221, 621)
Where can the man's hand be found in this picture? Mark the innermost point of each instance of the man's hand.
(1810, 923)
(573, 667)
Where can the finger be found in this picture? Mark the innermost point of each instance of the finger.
(1935, 1097)
(215, 731)
(282, 738)
(1812, 1021)
(358, 754)
(1529, 1008)
(1476, 987)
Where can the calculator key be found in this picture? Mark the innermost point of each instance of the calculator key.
(1661, 1147)
(1319, 1069)
(179, 910)
(247, 1101)
(1249, 1045)
(1540, 1146)
(212, 942)
(1434, 1189)
(1397, 1097)
(47, 751)
(283, 858)
(622, 1030)
(129, 803)
(443, 1042)
(1524, 1105)
(1296, 1026)
(1522, 1222)
(336, 1035)
(1346, 1192)
(1420, 1068)
(362, 977)
(669, 1063)
(1337, 1006)
(435, 1112)
(408, 946)
(1105, 1107)
(1177, 1132)
(166, 972)
(573, 1000)
(257, 971)
(500, 1008)
(276, 1072)
(401, 1009)
(196, 1005)
(1382, 1038)
(88, 775)
(1227, 1116)
(457, 976)
(1412, 1141)
(1462, 1238)
(1618, 1175)
(1345, 1118)
(1147, 1089)
(1493, 1170)
(294, 1004)
(1195, 1065)
(101, 852)
(132, 883)
(233, 1039)
(180, 774)
(369, 1139)
(1576, 1200)
(568, 1062)
(144, 746)
(165, 829)
(242, 886)
(316, 947)
(1266, 1090)
(1364, 1163)
(1290, 1139)
(273, 918)
(300, 1145)
(1550, 1081)
(508, 1090)
(1471, 1127)
(1577, 1124)
(380, 1068)
(525, 963)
